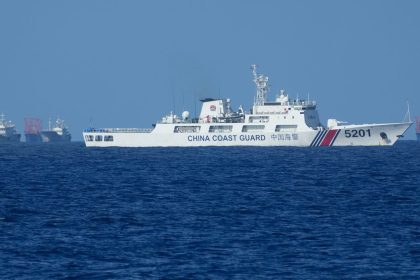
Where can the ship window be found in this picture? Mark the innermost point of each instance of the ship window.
(286, 128)
(252, 128)
(220, 128)
(98, 138)
(186, 129)
(108, 138)
(258, 119)
(89, 138)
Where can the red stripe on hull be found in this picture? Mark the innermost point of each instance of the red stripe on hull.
(328, 138)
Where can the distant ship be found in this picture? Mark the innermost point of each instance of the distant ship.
(33, 130)
(8, 130)
(418, 128)
(281, 122)
(57, 133)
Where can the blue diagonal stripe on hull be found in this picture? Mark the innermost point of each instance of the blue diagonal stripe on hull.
(321, 137)
(315, 138)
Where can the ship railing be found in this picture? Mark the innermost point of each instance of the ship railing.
(302, 103)
(119, 130)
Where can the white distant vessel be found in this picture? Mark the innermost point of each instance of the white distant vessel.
(282, 122)
(8, 130)
(56, 133)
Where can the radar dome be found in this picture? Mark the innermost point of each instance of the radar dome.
(185, 115)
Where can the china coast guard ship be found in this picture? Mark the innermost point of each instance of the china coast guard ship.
(282, 122)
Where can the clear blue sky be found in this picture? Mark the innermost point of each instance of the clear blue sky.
(126, 63)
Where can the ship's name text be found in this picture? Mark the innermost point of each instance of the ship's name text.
(225, 138)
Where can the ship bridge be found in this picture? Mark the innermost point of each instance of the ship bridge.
(299, 112)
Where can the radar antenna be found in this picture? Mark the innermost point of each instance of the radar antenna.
(261, 82)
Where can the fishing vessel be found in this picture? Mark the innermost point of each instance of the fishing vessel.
(8, 130)
(281, 122)
(56, 133)
(33, 130)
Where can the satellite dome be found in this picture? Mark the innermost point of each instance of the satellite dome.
(185, 115)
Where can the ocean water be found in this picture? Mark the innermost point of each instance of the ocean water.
(68, 212)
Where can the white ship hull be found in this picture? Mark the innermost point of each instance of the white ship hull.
(354, 135)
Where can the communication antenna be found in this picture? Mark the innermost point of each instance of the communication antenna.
(172, 89)
(173, 100)
(408, 114)
(2, 118)
(261, 82)
(183, 101)
(195, 105)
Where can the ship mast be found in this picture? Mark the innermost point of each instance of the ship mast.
(261, 82)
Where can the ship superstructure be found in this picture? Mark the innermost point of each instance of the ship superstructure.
(56, 133)
(281, 122)
(8, 130)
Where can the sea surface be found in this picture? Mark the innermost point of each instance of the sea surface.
(69, 212)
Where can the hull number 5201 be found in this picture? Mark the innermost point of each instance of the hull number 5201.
(357, 133)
